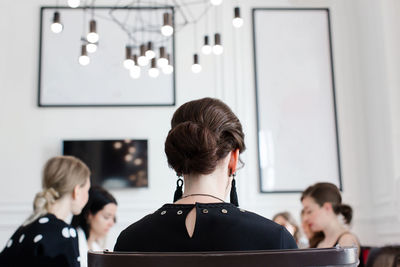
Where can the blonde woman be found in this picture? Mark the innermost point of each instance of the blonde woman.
(45, 239)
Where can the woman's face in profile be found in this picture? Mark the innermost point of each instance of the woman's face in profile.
(314, 215)
(103, 220)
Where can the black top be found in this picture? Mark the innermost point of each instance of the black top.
(218, 227)
(47, 241)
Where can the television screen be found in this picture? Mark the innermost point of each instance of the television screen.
(113, 163)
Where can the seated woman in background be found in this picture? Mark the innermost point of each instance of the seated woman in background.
(286, 220)
(45, 239)
(313, 238)
(203, 146)
(322, 204)
(94, 222)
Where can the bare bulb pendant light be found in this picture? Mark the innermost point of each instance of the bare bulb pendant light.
(216, 2)
(142, 59)
(128, 62)
(84, 59)
(135, 71)
(162, 60)
(168, 69)
(206, 48)
(56, 26)
(218, 49)
(196, 67)
(91, 48)
(167, 29)
(92, 36)
(149, 52)
(153, 71)
(74, 3)
(237, 20)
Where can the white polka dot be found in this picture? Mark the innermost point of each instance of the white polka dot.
(21, 238)
(65, 232)
(9, 243)
(78, 259)
(37, 238)
(72, 232)
(43, 220)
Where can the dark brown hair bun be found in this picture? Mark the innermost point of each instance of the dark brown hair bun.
(202, 132)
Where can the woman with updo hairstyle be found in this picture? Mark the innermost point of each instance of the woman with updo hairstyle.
(95, 221)
(325, 212)
(45, 238)
(203, 148)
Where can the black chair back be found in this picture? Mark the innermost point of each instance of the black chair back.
(338, 257)
(388, 256)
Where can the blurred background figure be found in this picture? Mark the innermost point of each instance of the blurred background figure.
(324, 211)
(45, 238)
(95, 221)
(286, 219)
(311, 238)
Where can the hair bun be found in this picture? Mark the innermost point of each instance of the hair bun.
(191, 148)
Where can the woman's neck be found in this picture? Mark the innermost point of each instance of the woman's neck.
(205, 188)
(61, 208)
(92, 239)
(333, 230)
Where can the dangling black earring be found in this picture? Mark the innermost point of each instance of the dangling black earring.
(178, 190)
(233, 196)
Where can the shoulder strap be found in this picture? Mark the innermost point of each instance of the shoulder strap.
(342, 234)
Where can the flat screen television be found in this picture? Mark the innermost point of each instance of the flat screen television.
(113, 163)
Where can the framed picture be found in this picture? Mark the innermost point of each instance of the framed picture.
(295, 99)
(114, 164)
(103, 80)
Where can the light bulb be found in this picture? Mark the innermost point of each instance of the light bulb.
(91, 48)
(216, 2)
(56, 26)
(237, 20)
(92, 36)
(149, 52)
(167, 30)
(168, 69)
(142, 59)
(135, 72)
(206, 48)
(162, 62)
(218, 49)
(153, 71)
(84, 59)
(128, 63)
(74, 3)
(196, 67)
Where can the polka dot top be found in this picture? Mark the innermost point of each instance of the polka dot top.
(47, 241)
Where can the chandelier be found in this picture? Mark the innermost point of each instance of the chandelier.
(149, 31)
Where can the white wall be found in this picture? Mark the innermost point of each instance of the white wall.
(366, 65)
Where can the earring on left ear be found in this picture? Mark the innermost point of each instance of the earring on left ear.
(178, 191)
(233, 195)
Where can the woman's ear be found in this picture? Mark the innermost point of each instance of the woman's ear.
(233, 160)
(75, 192)
(327, 206)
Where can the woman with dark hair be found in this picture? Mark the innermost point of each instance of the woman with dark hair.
(323, 206)
(94, 222)
(203, 147)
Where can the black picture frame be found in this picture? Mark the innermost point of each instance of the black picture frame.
(259, 114)
(171, 101)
